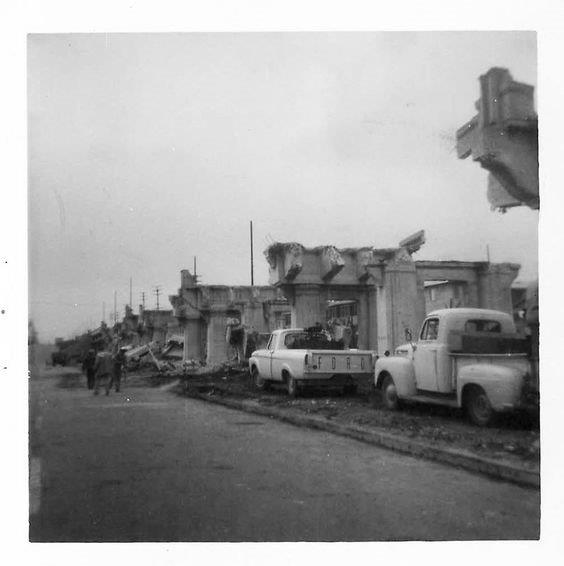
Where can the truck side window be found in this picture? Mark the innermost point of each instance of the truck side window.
(270, 341)
(430, 330)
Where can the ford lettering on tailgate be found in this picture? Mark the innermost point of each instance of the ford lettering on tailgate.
(342, 363)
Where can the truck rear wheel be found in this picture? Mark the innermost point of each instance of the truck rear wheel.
(478, 407)
(390, 394)
(293, 387)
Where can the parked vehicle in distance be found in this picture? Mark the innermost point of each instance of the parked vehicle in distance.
(59, 358)
(469, 358)
(301, 357)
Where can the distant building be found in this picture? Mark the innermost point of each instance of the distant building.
(445, 295)
(158, 326)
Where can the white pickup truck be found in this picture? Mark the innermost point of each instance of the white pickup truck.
(470, 358)
(298, 357)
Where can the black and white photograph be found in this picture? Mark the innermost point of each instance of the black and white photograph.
(283, 285)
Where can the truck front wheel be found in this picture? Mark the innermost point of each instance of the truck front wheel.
(389, 394)
(258, 382)
(478, 407)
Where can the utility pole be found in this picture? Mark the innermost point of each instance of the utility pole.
(115, 307)
(157, 292)
(252, 263)
(143, 299)
(195, 271)
(103, 311)
(488, 252)
(131, 293)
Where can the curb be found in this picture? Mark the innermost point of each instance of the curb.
(449, 456)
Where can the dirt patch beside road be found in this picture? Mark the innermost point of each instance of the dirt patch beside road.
(513, 438)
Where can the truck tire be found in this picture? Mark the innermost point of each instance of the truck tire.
(389, 394)
(350, 388)
(478, 407)
(292, 386)
(258, 382)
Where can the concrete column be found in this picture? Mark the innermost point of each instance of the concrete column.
(216, 343)
(363, 317)
(192, 339)
(372, 319)
(308, 306)
(383, 325)
(403, 305)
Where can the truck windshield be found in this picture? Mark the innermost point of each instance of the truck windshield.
(311, 340)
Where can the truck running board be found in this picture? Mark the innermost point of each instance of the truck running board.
(444, 400)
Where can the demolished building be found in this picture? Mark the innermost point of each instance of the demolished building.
(210, 315)
(369, 295)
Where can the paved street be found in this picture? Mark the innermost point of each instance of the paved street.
(147, 465)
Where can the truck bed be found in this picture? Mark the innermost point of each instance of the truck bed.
(481, 343)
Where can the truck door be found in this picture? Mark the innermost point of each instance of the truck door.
(426, 356)
(265, 359)
(276, 359)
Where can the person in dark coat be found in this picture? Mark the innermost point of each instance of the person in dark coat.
(102, 369)
(118, 360)
(88, 367)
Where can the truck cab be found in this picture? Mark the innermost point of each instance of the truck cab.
(470, 358)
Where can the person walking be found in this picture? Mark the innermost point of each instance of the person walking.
(118, 360)
(88, 367)
(102, 369)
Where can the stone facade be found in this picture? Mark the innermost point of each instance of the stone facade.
(386, 283)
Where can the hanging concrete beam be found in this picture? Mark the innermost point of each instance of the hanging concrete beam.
(503, 138)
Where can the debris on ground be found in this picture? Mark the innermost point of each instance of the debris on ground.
(512, 437)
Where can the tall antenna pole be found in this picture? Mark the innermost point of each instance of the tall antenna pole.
(157, 292)
(143, 299)
(488, 252)
(115, 307)
(131, 292)
(103, 311)
(195, 274)
(252, 262)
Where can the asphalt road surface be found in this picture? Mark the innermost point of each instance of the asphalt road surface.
(147, 465)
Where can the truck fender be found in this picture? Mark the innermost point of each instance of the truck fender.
(286, 368)
(401, 370)
(252, 363)
(503, 385)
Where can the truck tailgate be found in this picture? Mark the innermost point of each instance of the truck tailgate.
(339, 362)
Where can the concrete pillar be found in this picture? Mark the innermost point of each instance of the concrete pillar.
(308, 306)
(383, 333)
(216, 343)
(402, 304)
(363, 318)
(372, 319)
(367, 320)
(192, 339)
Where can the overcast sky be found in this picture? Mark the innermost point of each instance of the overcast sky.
(148, 149)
